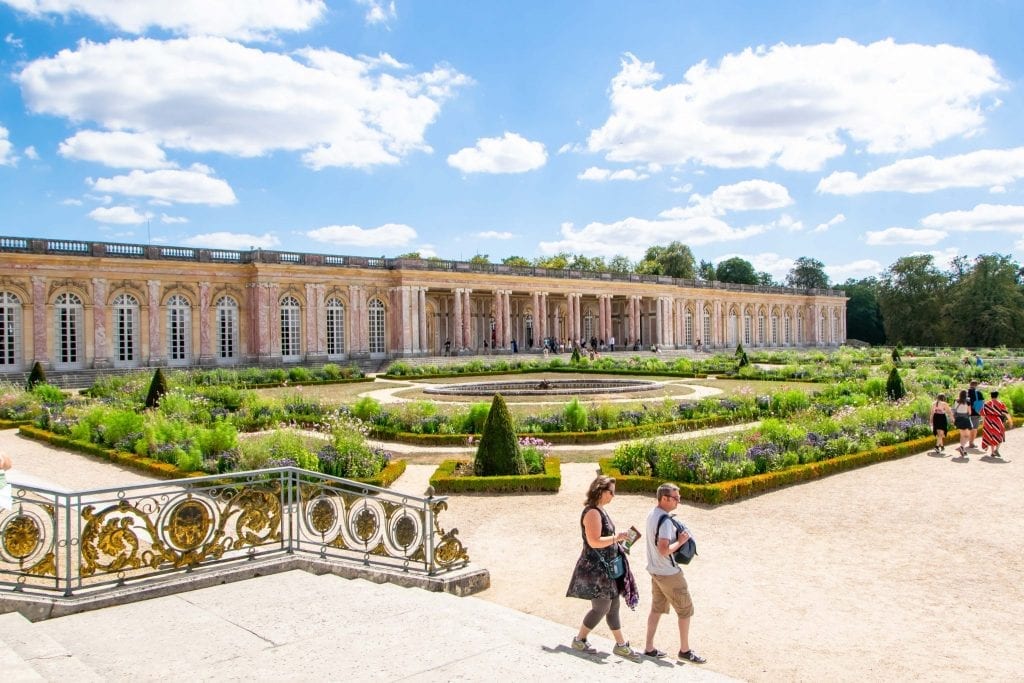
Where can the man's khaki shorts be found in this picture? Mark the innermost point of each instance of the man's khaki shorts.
(671, 590)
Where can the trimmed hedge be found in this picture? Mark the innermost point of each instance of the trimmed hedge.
(166, 470)
(738, 489)
(303, 383)
(444, 480)
(13, 424)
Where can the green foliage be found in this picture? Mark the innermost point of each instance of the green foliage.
(498, 452)
(49, 394)
(366, 408)
(575, 355)
(36, 377)
(157, 389)
(476, 418)
(299, 374)
(574, 415)
(894, 389)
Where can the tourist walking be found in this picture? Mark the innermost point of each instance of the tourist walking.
(996, 418)
(592, 578)
(942, 415)
(668, 585)
(962, 420)
(977, 400)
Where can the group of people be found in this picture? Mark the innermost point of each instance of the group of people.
(592, 580)
(969, 413)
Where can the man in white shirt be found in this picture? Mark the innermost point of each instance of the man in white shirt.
(668, 585)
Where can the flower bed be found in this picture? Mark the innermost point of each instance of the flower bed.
(456, 476)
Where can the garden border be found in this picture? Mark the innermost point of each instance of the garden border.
(550, 481)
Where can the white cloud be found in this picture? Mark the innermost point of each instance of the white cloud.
(193, 186)
(891, 236)
(495, 235)
(793, 106)
(115, 149)
(1006, 218)
(71, 202)
(983, 168)
(164, 218)
(835, 220)
(7, 157)
(768, 262)
(388, 235)
(747, 195)
(602, 174)
(511, 153)
(118, 215)
(241, 19)
(427, 250)
(237, 241)
(632, 236)
(211, 95)
(378, 12)
(942, 257)
(861, 268)
(14, 42)
(31, 153)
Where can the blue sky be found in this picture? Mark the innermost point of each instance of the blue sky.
(853, 133)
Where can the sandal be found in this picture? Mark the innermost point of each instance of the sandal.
(655, 653)
(690, 656)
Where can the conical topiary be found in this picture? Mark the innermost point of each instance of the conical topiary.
(36, 377)
(157, 389)
(498, 453)
(896, 354)
(575, 355)
(894, 385)
(739, 350)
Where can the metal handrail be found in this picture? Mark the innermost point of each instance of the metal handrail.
(65, 543)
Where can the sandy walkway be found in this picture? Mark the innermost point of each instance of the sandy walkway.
(904, 570)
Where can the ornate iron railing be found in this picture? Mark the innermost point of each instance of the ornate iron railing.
(86, 540)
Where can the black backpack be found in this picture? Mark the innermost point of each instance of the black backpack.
(686, 551)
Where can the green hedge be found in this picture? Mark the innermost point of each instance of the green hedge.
(737, 489)
(13, 424)
(303, 383)
(444, 480)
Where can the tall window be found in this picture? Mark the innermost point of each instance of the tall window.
(10, 330)
(707, 328)
(290, 328)
(126, 330)
(335, 327)
(822, 329)
(775, 329)
(787, 330)
(227, 328)
(746, 329)
(734, 324)
(760, 328)
(377, 330)
(835, 328)
(528, 324)
(800, 328)
(68, 312)
(688, 328)
(179, 330)
(588, 326)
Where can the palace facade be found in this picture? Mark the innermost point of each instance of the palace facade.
(75, 305)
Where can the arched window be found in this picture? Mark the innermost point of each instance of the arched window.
(823, 329)
(126, 330)
(688, 328)
(377, 328)
(734, 332)
(775, 328)
(799, 327)
(761, 338)
(227, 329)
(68, 313)
(10, 330)
(835, 327)
(588, 326)
(179, 330)
(528, 324)
(707, 328)
(747, 333)
(335, 327)
(291, 338)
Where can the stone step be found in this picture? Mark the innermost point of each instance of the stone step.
(42, 657)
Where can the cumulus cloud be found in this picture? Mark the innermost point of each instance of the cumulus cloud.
(387, 235)
(794, 106)
(891, 236)
(861, 268)
(236, 241)
(378, 12)
(164, 218)
(495, 235)
(193, 186)
(982, 218)
(511, 153)
(115, 149)
(983, 168)
(240, 19)
(119, 215)
(769, 262)
(212, 95)
(602, 174)
(835, 220)
(747, 195)
(7, 157)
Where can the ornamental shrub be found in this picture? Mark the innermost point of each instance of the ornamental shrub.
(575, 355)
(37, 376)
(575, 416)
(366, 408)
(157, 389)
(474, 421)
(894, 385)
(498, 453)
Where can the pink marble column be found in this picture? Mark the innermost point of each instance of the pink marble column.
(457, 320)
(205, 350)
(499, 318)
(101, 351)
(39, 326)
(424, 342)
(155, 356)
(467, 318)
(507, 308)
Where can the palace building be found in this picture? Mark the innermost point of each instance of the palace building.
(75, 305)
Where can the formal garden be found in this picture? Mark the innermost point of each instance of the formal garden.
(793, 416)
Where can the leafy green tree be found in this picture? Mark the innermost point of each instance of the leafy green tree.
(480, 259)
(157, 389)
(36, 377)
(410, 254)
(706, 270)
(498, 453)
(911, 295)
(807, 273)
(592, 263)
(765, 279)
(518, 261)
(736, 270)
(621, 264)
(863, 315)
(894, 385)
(674, 260)
(559, 261)
(987, 303)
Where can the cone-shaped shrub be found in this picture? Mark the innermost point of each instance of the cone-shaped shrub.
(498, 453)
(894, 385)
(157, 389)
(37, 376)
(739, 350)
(575, 355)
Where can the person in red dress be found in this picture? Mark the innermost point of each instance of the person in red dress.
(996, 417)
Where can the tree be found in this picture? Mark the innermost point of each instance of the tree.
(36, 377)
(736, 270)
(592, 263)
(863, 315)
(410, 254)
(911, 296)
(480, 259)
(518, 261)
(498, 453)
(559, 261)
(765, 279)
(986, 305)
(621, 264)
(706, 270)
(157, 389)
(807, 273)
(674, 260)
(894, 385)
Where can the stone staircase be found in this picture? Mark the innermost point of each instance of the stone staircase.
(297, 626)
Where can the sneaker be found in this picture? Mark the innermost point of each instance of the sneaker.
(583, 646)
(655, 653)
(626, 651)
(690, 656)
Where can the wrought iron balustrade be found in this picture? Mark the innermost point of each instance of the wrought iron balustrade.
(70, 542)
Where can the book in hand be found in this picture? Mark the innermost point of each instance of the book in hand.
(632, 536)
